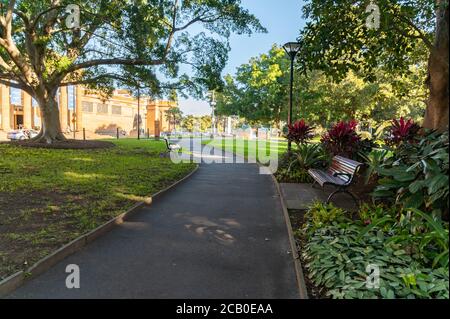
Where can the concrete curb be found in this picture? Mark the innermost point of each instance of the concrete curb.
(16, 280)
(298, 267)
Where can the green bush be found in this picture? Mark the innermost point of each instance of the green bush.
(320, 215)
(409, 247)
(285, 175)
(338, 258)
(417, 176)
(293, 168)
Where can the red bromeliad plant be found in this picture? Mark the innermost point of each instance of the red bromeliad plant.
(342, 139)
(402, 131)
(300, 132)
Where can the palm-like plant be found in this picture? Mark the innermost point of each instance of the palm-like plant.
(308, 156)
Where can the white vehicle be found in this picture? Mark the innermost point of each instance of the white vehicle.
(22, 134)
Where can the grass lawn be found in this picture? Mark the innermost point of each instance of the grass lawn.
(247, 148)
(50, 197)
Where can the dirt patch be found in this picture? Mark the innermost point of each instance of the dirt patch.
(26, 221)
(69, 144)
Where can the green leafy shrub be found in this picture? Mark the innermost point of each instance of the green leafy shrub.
(409, 247)
(294, 167)
(374, 161)
(321, 214)
(285, 175)
(370, 214)
(417, 175)
(338, 259)
(342, 139)
(308, 156)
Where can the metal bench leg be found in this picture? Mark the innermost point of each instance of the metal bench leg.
(353, 196)
(343, 191)
(333, 194)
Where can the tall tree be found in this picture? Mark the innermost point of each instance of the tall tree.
(174, 116)
(188, 123)
(259, 90)
(345, 35)
(42, 47)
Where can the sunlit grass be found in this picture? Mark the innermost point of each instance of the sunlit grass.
(49, 197)
(250, 149)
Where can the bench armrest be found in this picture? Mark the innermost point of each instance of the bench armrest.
(349, 176)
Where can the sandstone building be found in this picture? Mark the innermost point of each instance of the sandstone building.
(80, 108)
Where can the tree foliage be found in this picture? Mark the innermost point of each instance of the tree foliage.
(145, 39)
(259, 92)
(337, 40)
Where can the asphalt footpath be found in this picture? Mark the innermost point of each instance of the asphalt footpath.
(220, 234)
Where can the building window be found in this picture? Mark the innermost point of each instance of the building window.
(58, 97)
(88, 107)
(34, 103)
(15, 96)
(71, 96)
(102, 108)
(116, 110)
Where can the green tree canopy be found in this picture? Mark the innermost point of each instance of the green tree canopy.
(145, 39)
(259, 92)
(337, 40)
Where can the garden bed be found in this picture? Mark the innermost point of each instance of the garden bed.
(336, 247)
(50, 197)
(297, 218)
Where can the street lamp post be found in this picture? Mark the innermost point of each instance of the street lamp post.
(291, 49)
(139, 114)
(213, 104)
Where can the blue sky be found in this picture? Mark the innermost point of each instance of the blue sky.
(281, 18)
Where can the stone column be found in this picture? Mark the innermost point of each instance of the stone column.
(152, 118)
(5, 106)
(79, 108)
(63, 108)
(28, 117)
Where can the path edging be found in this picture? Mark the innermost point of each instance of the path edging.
(298, 267)
(11, 283)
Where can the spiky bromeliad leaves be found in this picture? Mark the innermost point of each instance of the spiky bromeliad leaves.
(342, 139)
(300, 132)
(402, 131)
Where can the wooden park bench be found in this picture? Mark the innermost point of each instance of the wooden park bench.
(171, 147)
(340, 174)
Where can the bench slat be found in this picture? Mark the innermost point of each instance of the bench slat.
(338, 166)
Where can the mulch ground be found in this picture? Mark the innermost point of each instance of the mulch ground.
(69, 144)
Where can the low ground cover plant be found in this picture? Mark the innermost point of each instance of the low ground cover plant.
(409, 248)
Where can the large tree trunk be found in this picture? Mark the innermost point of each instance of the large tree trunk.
(436, 116)
(50, 126)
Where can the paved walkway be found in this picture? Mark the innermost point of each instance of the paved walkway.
(301, 196)
(220, 234)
